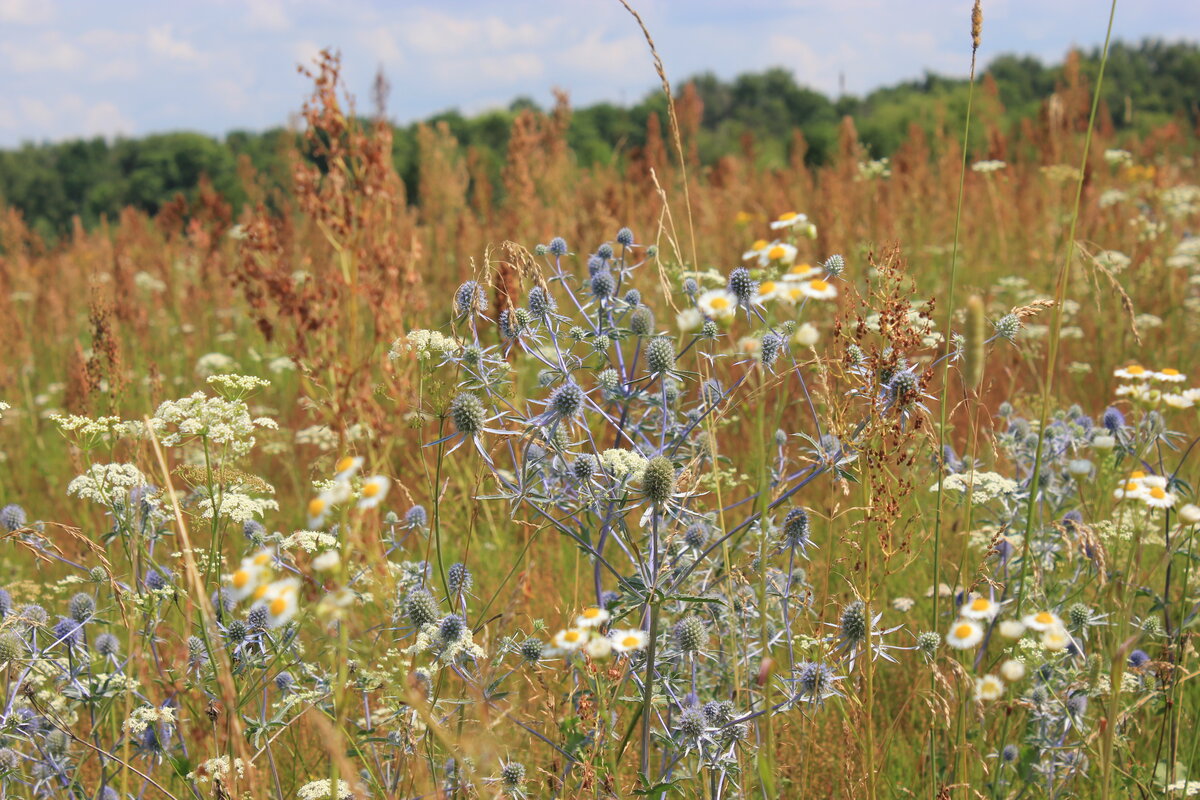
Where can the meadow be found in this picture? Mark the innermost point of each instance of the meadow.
(659, 479)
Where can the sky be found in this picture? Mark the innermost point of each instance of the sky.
(81, 68)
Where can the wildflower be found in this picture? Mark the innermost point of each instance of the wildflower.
(1055, 639)
(1170, 375)
(329, 560)
(788, 219)
(323, 790)
(928, 643)
(1012, 670)
(347, 467)
(742, 286)
(806, 335)
(778, 251)
(1133, 372)
(1189, 514)
(531, 649)
(570, 639)
(989, 687)
(592, 617)
(1138, 659)
(689, 319)
(1042, 621)
(421, 608)
(1158, 497)
(374, 489)
(980, 608)
(818, 289)
(1008, 326)
(641, 321)
(964, 634)
(1011, 629)
(512, 777)
(816, 682)
(797, 530)
(690, 633)
(281, 599)
(660, 355)
(12, 517)
(628, 640)
(598, 647)
(756, 250)
(903, 604)
(658, 480)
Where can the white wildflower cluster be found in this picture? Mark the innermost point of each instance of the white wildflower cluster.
(149, 283)
(106, 483)
(3, 407)
(426, 344)
(142, 718)
(237, 385)
(309, 541)
(982, 486)
(214, 364)
(223, 423)
(236, 507)
(91, 429)
(217, 770)
(987, 167)
(1113, 260)
(1118, 158)
(1182, 201)
(874, 169)
(1112, 197)
(322, 790)
(621, 463)
(452, 651)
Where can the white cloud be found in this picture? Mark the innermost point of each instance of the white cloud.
(48, 52)
(161, 41)
(67, 116)
(267, 15)
(26, 12)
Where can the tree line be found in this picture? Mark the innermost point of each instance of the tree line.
(1145, 85)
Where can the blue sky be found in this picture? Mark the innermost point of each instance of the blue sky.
(83, 67)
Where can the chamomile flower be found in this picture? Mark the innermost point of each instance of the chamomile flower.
(1011, 629)
(598, 647)
(1012, 670)
(1042, 621)
(789, 219)
(282, 601)
(989, 687)
(374, 489)
(717, 304)
(245, 580)
(1177, 401)
(769, 290)
(980, 608)
(1056, 639)
(346, 467)
(318, 509)
(1158, 497)
(779, 252)
(628, 640)
(1133, 490)
(801, 272)
(819, 289)
(756, 250)
(1134, 372)
(570, 639)
(1170, 375)
(592, 617)
(964, 634)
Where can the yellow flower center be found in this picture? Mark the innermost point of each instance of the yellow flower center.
(981, 604)
(1157, 493)
(630, 641)
(316, 507)
(963, 631)
(761, 244)
(591, 613)
(278, 606)
(767, 287)
(1044, 618)
(344, 464)
(1136, 474)
(1131, 487)
(1169, 371)
(800, 269)
(240, 579)
(260, 592)
(795, 294)
(818, 285)
(571, 636)
(370, 490)
(788, 217)
(261, 559)
(778, 251)
(1135, 369)
(720, 303)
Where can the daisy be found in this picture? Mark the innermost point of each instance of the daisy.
(819, 289)
(346, 467)
(1192, 394)
(780, 251)
(1169, 374)
(1158, 497)
(570, 639)
(788, 220)
(801, 271)
(1177, 401)
(1134, 372)
(980, 608)
(964, 634)
(1131, 489)
(246, 580)
(599, 647)
(717, 304)
(318, 510)
(282, 599)
(1189, 514)
(592, 617)
(769, 290)
(1056, 639)
(1012, 670)
(1012, 629)
(1042, 621)
(989, 687)
(756, 250)
(627, 641)
(374, 489)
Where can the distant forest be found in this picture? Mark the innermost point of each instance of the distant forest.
(1145, 85)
